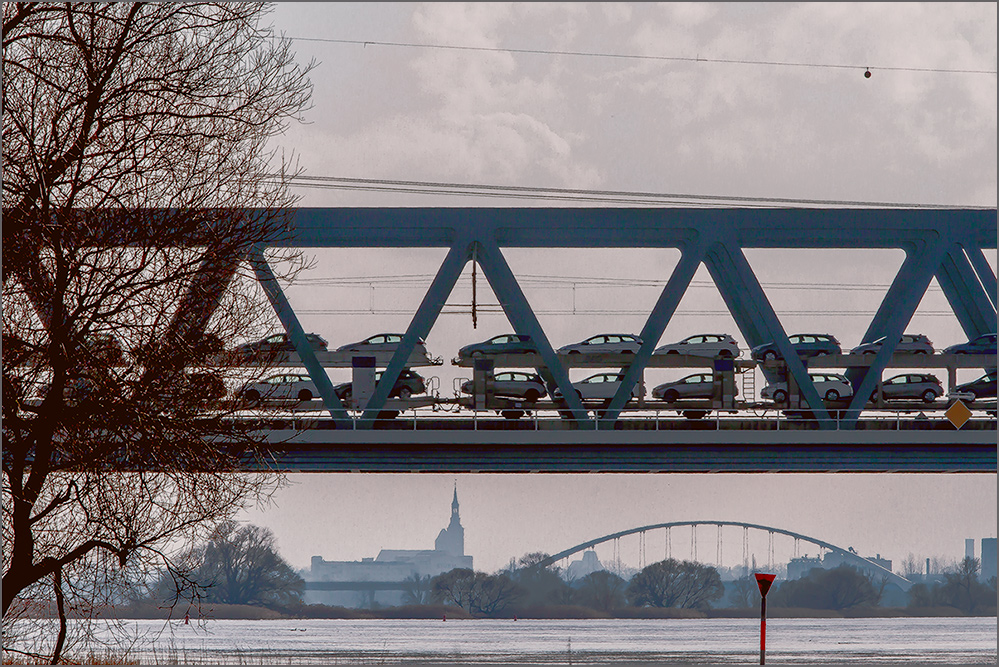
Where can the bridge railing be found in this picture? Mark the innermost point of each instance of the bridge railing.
(431, 417)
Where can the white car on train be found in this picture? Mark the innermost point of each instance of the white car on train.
(831, 387)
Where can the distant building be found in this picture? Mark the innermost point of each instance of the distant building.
(588, 564)
(800, 567)
(382, 580)
(969, 548)
(988, 559)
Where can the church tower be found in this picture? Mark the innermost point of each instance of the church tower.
(452, 539)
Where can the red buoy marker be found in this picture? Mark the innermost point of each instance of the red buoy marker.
(764, 581)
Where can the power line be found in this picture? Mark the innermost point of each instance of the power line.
(420, 281)
(462, 309)
(697, 59)
(573, 194)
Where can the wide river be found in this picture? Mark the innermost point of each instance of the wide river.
(566, 642)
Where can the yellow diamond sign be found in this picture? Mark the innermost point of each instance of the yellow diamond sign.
(958, 414)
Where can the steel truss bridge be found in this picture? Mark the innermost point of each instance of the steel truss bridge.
(848, 555)
(946, 244)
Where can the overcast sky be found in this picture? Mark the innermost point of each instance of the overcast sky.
(653, 108)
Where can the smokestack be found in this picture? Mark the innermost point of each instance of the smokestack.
(927, 567)
(969, 548)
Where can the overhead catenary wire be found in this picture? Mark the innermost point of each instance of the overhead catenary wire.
(420, 281)
(576, 194)
(462, 309)
(637, 56)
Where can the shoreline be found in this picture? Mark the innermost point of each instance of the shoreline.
(437, 612)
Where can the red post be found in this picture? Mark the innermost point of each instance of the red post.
(763, 630)
(764, 581)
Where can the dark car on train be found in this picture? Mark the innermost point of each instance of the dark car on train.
(408, 383)
(911, 386)
(278, 343)
(907, 344)
(513, 384)
(983, 387)
(985, 344)
(805, 344)
(502, 344)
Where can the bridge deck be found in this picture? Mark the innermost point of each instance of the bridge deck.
(668, 445)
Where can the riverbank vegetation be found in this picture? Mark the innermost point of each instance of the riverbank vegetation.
(668, 589)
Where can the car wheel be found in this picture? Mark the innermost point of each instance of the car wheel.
(405, 393)
(780, 396)
(673, 352)
(821, 353)
(870, 352)
(921, 352)
(475, 353)
(874, 396)
(532, 395)
(512, 414)
(695, 414)
(305, 395)
(725, 354)
(929, 396)
(769, 355)
(573, 351)
(832, 395)
(252, 396)
(347, 395)
(671, 396)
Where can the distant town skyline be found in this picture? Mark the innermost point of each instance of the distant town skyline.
(355, 515)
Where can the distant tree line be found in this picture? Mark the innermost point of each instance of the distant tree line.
(685, 585)
(666, 584)
(240, 565)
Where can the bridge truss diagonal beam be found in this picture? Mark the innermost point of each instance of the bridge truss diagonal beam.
(748, 303)
(524, 321)
(966, 293)
(893, 316)
(421, 324)
(985, 273)
(691, 256)
(269, 283)
(902, 582)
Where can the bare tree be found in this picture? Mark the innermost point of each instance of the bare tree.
(241, 565)
(456, 587)
(912, 566)
(416, 589)
(601, 590)
(138, 176)
(673, 583)
(961, 587)
(495, 593)
(476, 592)
(542, 585)
(745, 592)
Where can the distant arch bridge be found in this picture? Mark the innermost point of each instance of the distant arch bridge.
(901, 581)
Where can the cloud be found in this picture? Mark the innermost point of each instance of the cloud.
(722, 127)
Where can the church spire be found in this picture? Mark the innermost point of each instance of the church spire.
(452, 538)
